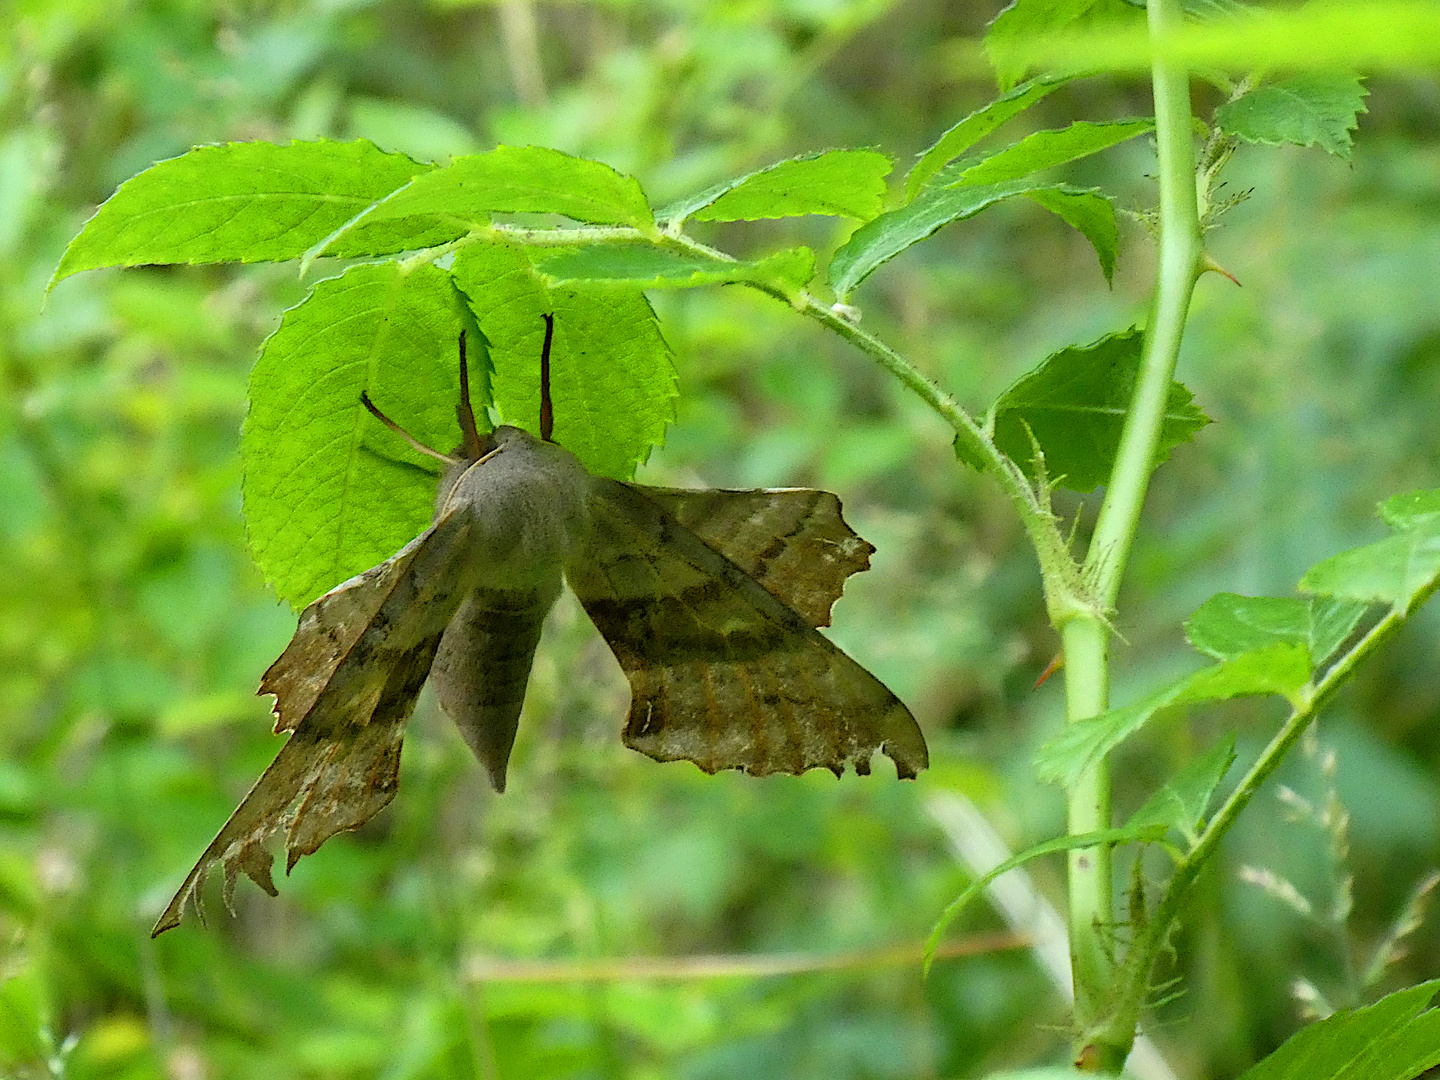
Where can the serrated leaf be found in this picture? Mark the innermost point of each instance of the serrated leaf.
(843, 183)
(1074, 405)
(1283, 668)
(1010, 37)
(1090, 212)
(1406, 510)
(1182, 802)
(1049, 847)
(1316, 108)
(1397, 1038)
(1397, 570)
(1228, 625)
(649, 267)
(247, 202)
(1331, 622)
(1046, 149)
(880, 240)
(514, 179)
(975, 127)
(612, 380)
(328, 491)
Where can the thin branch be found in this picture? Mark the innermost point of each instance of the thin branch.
(682, 968)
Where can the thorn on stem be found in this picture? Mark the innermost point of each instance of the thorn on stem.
(1207, 263)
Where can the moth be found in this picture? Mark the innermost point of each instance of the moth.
(709, 600)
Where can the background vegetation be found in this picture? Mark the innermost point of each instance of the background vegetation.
(133, 627)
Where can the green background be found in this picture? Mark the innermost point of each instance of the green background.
(133, 627)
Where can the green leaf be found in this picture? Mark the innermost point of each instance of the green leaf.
(1317, 108)
(844, 183)
(1181, 803)
(1227, 625)
(515, 179)
(1049, 847)
(1074, 404)
(246, 202)
(1046, 149)
(650, 267)
(1091, 213)
(612, 380)
(1010, 38)
(1398, 570)
(1406, 511)
(1283, 668)
(1397, 1038)
(880, 240)
(328, 491)
(975, 127)
(1331, 622)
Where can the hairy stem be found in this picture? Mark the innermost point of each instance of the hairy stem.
(1149, 945)
(1105, 1039)
(1063, 593)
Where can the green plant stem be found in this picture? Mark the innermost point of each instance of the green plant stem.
(1064, 595)
(1086, 643)
(1104, 1043)
(1149, 945)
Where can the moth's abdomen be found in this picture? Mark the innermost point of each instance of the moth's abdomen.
(483, 667)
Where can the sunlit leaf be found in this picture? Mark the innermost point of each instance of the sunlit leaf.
(514, 179)
(1314, 108)
(328, 491)
(1009, 38)
(612, 379)
(1317, 36)
(248, 202)
(847, 183)
(650, 267)
(1406, 510)
(1074, 405)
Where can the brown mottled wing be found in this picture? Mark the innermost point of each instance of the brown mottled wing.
(370, 642)
(792, 541)
(483, 666)
(721, 672)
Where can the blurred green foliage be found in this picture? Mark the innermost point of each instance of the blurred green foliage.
(133, 626)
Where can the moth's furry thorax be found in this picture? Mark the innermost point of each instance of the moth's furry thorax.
(526, 502)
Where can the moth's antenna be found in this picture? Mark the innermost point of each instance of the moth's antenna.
(547, 412)
(471, 443)
(415, 444)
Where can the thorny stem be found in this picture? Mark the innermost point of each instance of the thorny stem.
(1106, 1038)
(1149, 945)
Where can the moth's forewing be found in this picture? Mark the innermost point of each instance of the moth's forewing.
(339, 767)
(792, 541)
(722, 672)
